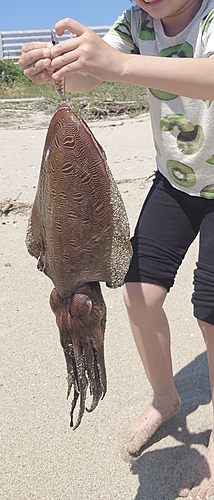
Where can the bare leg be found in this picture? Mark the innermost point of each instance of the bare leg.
(152, 337)
(203, 473)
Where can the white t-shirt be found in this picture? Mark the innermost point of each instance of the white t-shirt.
(183, 128)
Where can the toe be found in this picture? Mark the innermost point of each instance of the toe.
(184, 492)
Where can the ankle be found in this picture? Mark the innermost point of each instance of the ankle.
(166, 399)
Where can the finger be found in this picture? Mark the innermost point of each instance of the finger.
(63, 47)
(42, 77)
(64, 59)
(64, 63)
(42, 65)
(27, 47)
(38, 67)
(35, 69)
(30, 58)
(73, 67)
(70, 25)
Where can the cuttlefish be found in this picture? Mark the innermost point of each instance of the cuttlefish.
(79, 233)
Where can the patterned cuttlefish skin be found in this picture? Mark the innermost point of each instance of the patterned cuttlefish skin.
(79, 234)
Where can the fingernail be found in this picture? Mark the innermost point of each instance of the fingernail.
(46, 53)
(183, 492)
(46, 63)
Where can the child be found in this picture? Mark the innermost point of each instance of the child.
(180, 203)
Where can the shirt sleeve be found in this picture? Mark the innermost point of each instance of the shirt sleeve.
(119, 36)
(207, 28)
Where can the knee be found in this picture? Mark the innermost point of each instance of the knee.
(128, 296)
(203, 296)
(207, 330)
(144, 297)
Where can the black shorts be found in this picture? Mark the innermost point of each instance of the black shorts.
(168, 223)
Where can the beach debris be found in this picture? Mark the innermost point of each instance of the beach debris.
(117, 123)
(13, 205)
(6, 207)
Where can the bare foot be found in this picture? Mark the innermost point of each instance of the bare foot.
(143, 427)
(200, 484)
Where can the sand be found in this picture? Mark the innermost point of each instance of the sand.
(42, 457)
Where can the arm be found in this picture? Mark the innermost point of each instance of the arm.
(88, 54)
(80, 82)
(182, 76)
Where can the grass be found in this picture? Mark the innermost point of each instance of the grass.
(109, 99)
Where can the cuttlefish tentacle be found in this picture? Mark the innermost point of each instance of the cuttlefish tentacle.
(82, 383)
(81, 322)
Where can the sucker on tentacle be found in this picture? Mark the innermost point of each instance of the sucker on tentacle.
(79, 234)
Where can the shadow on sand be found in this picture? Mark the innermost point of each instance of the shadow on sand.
(160, 471)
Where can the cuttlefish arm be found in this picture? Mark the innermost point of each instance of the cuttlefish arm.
(81, 321)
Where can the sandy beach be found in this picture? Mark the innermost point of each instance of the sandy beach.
(42, 458)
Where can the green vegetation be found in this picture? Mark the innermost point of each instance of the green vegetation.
(10, 73)
(109, 99)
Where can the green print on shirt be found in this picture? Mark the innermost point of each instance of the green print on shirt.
(157, 148)
(208, 192)
(181, 50)
(122, 28)
(145, 30)
(181, 173)
(208, 103)
(163, 96)
(205, 24)
(190, 138)
(210, 160)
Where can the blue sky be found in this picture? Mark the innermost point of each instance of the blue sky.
(39, 14)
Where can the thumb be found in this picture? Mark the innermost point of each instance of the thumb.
(69, 24)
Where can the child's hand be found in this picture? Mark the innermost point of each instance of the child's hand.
(85, 53)
(36, 61)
